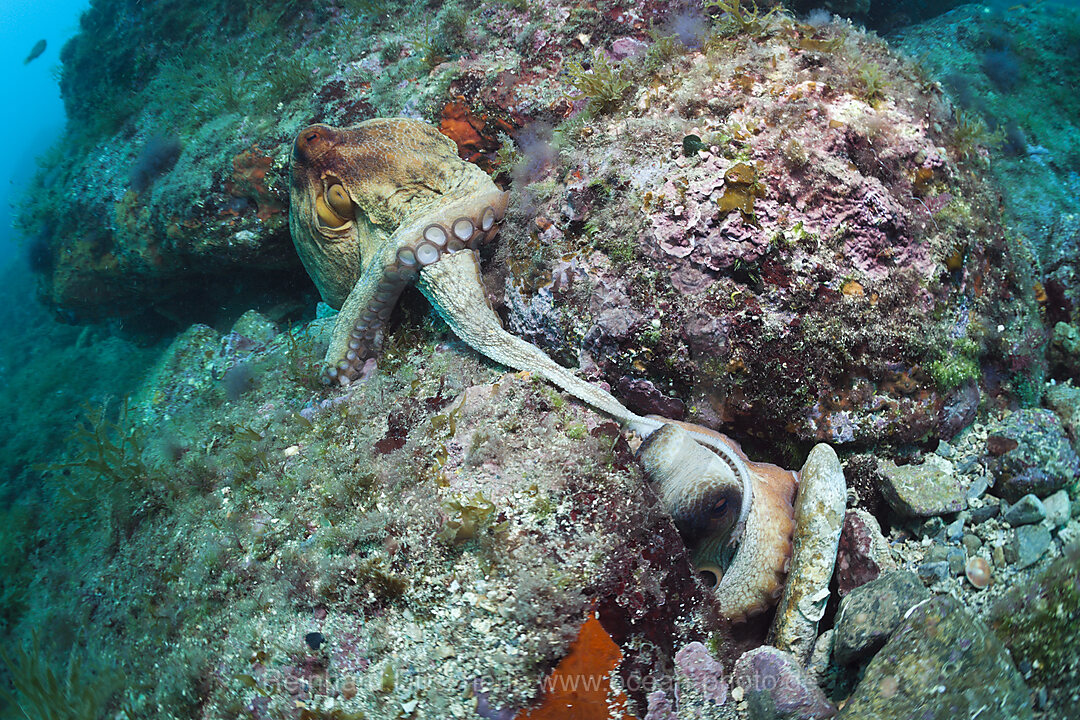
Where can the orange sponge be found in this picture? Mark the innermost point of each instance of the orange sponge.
(580, 686)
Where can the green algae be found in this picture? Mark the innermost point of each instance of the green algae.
(604, 84)
(43, 692)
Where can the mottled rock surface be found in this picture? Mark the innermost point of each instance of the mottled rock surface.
(1025, 511)
(704, 672)
(1064, 399)
(1028, 544)
(777, 688)
(819, 516)
(1031, 454)
(863, 552)
(923, 490)
(942, 663)
(870, 613)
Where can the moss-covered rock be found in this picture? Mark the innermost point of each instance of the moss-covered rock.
(942, 662)
(1040, 624)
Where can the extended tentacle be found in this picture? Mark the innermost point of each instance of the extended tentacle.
(416, 244)
(456, 291)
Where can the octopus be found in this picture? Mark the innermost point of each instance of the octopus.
(388, 202)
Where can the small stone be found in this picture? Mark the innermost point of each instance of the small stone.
(659, 707)
(971, 543)
(954, 531)
(933, 572)
(936, 553)
(1057, 509)
(777, 688)
(1064, 399)
(997, 554)
(977, 488)
(941, 663)
(1030, 542)
(956, 559)
(933, 528)
(925, 490)
(703, 672)
(870, 613)
(819, 517)
(255, 325)
(945, 450)
(1026, 511)
(990, 509)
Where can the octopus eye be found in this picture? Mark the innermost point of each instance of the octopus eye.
(720, 508)
(339, 201)
(327, 216)
(710, 575)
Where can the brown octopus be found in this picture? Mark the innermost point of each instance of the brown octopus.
(386, 202)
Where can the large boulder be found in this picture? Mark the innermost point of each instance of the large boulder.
(941, 663)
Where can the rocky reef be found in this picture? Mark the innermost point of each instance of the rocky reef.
(769, 225)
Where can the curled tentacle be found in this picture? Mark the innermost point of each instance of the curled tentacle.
(747, 560)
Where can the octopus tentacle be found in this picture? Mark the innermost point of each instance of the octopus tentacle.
(415, 245)
(694, 466)
(703, 496)
(386, 202)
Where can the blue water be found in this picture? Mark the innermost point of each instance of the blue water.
(33, 116)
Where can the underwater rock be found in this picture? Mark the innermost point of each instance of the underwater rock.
(813, 223)
(255, 325)
(819, 517)
(702, 671)
(925, 490)
(659, 707)
(870, 613)
(1025, 511)
(1027, 545)
(1038, 619)
(777, 688)
(1064, 399)
(863, 552)
(974, 51)
(643, 397)
(941, 663)
(1058, 509)
(821, 658)
(179, 373)
(1030, 453)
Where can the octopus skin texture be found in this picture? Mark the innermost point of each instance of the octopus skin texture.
(370, 206)
(387, 202)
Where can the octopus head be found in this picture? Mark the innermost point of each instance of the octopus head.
(372, 205)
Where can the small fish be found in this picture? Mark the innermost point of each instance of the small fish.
(38, 48)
